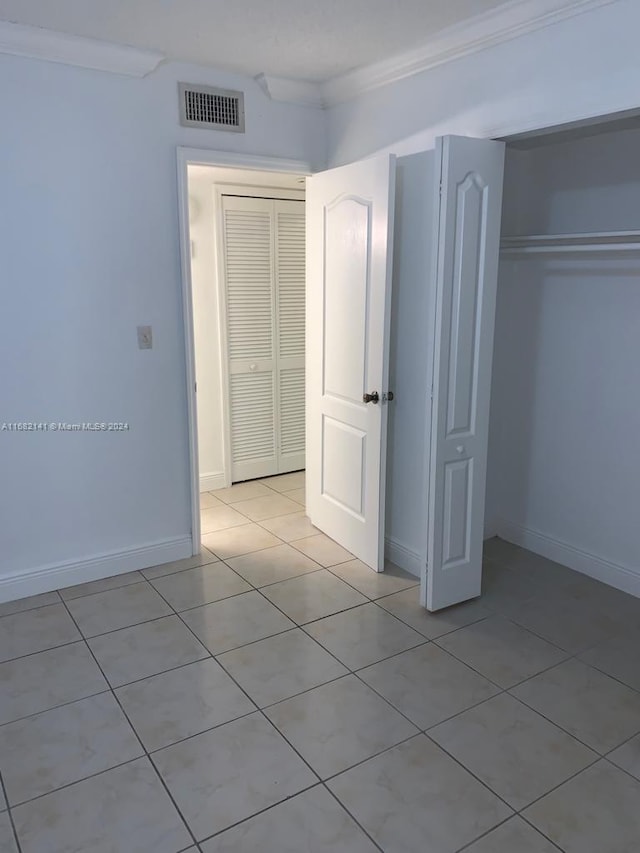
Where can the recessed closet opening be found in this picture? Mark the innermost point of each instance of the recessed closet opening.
(247, 245)
(564, 471)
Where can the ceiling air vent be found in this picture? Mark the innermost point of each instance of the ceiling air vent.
(216, 109)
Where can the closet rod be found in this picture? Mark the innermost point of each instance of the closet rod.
(600, 241)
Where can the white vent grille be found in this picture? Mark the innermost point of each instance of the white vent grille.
(218, 109)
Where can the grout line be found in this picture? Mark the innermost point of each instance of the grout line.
(142, 746)
(3, 791)
(34, 607)
(353, 817)
(106, 689)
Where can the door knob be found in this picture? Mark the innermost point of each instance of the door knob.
(460, 448)
(371, 398)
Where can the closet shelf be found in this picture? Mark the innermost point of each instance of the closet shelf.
(597, 241)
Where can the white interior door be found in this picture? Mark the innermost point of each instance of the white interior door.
(467, 246)
(349, 256)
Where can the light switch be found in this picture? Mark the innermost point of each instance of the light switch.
(145, 337)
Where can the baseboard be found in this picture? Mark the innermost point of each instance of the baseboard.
(615, 575)
(403, 557)
(211, 482)
(490, 528)
(48, 578)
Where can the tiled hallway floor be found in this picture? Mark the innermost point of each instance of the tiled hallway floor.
(273, 695)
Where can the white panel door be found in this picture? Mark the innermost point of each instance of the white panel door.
(467, 245)
(349, 255)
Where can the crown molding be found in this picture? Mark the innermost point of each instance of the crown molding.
(301, 92)
(50, 46)
(502, 24)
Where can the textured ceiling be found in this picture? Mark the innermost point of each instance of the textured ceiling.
(303, 39)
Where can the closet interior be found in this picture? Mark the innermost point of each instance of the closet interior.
(564, 462)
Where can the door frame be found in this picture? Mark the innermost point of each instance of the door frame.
(206, 157)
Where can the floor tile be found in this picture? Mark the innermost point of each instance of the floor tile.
(427, 684)
(322, 549)
(57, 747)
(169, 707)
(339, 724)
(618, 657)
(207, 500)
(501, 651)
(239, 540)
(268, 506)
(503, 589)
(281, 666)
(242, 492)
(220, 518)
(297, 495)
(236, 621)
(623, 608)
(29, 603)
(513, 836)
(597, 812)
(406, 606)
(286, 482)
(363, 635)
(513, 750)
(81, 589)
(7, 838)
(374, 584)
(540, 571)
(36, 630)
(200, 586)
(409, 799)
(586, 703)
(228, 774)
(272, 565)
(313, 596)
(202, 559)
(627, 756)
(312, 822)
(147, 649)
(290, 527)
(42, 681)
(117, 608)
(570, 623)
(125, 810)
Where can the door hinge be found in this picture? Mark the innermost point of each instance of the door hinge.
(195, 387)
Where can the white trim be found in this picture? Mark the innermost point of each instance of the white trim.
(403, 557)
(211, 482)
(56, 576)
(206, 157)
(621, 577)
(211, 157)
(52, 46)
(506, 22)
(301, 92)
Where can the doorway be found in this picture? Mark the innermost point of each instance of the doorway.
(244, 408)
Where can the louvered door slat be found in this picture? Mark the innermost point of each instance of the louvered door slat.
(290, 273)
(249, 279)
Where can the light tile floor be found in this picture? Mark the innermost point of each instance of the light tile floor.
(273, 695)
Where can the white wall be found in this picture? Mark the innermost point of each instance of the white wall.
(89, 249)
(206, 331)
(586, 65)
(566, 410)
(406, 474)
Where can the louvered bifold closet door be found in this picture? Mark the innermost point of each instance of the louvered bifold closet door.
(248, 247)
(290, 314)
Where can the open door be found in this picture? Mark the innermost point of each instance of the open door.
(349, 255)
(467, 247)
